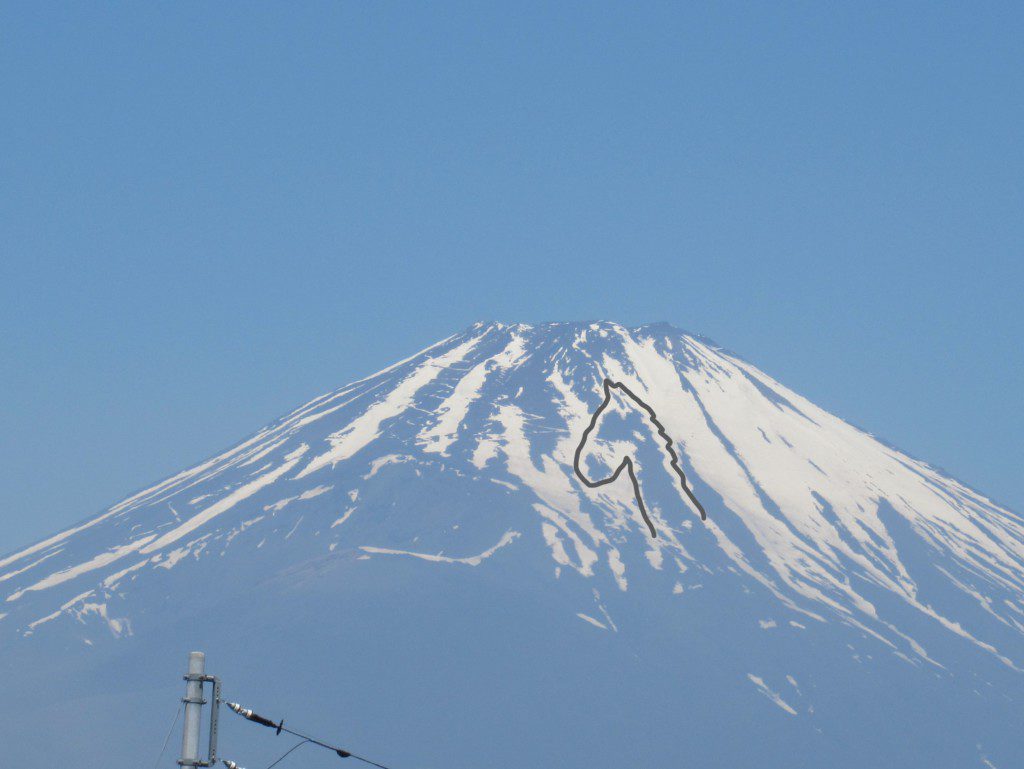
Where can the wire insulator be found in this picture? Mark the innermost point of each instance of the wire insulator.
(255, 717)
(248, 714)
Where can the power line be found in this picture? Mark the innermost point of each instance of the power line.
(249, 715)
(285, 754)
(168, 737)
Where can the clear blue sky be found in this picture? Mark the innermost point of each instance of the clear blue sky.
(212, 212)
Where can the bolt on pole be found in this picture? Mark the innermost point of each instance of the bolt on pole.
(193, 709)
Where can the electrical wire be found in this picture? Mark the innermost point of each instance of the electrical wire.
(249, 715)
(342, 753)
(285, 754)
(168, 737)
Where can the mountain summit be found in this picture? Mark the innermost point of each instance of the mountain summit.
(443, 563)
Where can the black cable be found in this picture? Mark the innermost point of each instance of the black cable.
(340, 751)
(168, 737)
(285, 754)
(249, 715)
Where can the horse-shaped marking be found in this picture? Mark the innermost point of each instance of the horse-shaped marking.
(627, 461)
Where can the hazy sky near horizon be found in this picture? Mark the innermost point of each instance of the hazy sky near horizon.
(214, 212)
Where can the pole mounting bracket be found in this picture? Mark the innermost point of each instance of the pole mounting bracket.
(211, 759)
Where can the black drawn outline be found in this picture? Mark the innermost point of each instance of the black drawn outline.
(627, 461)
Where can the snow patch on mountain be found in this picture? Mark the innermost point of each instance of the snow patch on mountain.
(814, 511)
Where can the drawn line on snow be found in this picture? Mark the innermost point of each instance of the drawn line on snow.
(627, 462)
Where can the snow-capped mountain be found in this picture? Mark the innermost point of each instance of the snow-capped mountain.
(413, 564)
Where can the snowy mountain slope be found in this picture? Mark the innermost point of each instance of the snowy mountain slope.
(833, 573)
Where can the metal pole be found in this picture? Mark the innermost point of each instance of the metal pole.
(193, 709)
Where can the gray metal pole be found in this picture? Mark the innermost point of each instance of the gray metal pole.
(193, 710)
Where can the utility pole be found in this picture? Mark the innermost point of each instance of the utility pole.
(193, 709)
